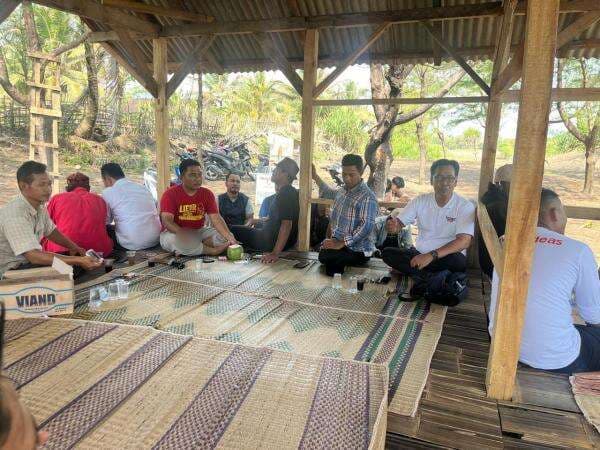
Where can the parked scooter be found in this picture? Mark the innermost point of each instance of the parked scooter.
(235, 160)
(150, 175)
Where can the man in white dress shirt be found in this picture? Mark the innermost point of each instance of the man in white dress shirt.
(446, 223)
(562, 268)
(132, 208)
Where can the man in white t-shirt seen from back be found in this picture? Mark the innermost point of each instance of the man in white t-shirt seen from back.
(562, 268)
(132, 208)
(446, 223)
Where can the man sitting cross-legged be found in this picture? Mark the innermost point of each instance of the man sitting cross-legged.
(352, 221)
(234, 206)
(183, 211)
(446, 223)
(279, 231)
(562, 268)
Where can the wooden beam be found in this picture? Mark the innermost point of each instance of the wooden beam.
(437, 37)
(277, 54)
(582, 212)
(401, 101)
(311, 58)
(351, 59)
(494, 111)
(7, 7)
(213, 62)
(329, 202)
(524, 200)
(409, 15)
(158, 10)
(567, 6)
(137, 57)
(102, 14)
(490, 238)
(558, 95)
(512, 72)
(161, 115)
(188, 66)
(141, 77)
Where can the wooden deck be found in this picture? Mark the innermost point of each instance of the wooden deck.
(455, 413)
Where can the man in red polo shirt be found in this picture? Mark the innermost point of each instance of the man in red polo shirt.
(184, 209)
(81, 216)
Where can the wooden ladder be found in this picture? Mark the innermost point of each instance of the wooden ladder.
(44, 113)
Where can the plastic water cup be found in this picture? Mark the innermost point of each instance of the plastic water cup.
(353, 286)
(95, 298)
(113, 291)
(337, 281)
(360, 283)
(131, 257)
(123, 289)
(198, 265)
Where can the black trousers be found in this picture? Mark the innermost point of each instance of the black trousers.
(399, 259)
(253, 238)
(335, 261)
(589, 355)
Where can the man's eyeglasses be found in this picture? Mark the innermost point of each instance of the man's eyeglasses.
(444, 178)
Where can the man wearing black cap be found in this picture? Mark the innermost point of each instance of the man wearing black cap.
(280, 230)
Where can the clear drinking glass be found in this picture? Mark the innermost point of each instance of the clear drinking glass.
(95, 298)
(353, 287)
(198, 265)
(113, 291)
(123, 287)
(131, 257)
(337, 281)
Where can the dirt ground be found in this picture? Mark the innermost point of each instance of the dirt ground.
(563, 174)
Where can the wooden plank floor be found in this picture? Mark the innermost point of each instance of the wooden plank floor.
(455, 413)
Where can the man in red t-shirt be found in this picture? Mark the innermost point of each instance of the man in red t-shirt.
(184, 209)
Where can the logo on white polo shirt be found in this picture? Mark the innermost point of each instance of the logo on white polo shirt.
(450, 219)
(546, 240)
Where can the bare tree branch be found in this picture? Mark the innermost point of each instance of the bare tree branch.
(561, 110)
(71, 45)
(407, 117)
(10, 89)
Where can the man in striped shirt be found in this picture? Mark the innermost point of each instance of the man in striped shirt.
(352, 220)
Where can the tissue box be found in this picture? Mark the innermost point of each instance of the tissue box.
(36, 293)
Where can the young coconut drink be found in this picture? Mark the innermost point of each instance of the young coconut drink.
(235, 252)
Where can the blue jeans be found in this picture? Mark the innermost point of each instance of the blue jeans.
(589, 355)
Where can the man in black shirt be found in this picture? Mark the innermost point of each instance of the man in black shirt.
(234, 206)
(280, 230)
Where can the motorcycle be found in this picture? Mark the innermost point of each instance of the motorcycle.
(236, 159)
(150, 175)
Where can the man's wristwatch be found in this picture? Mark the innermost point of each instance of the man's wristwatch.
(434, 254)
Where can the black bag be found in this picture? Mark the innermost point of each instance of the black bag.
(444, 287)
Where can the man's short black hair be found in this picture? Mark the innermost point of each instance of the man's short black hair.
(183, 165)
(112, 170)
(229, 173)
(547, 196)
(28, 169)
(398, 181)
(442, 163)
(353, 160)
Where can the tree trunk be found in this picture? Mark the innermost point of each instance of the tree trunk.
(422, 149)
(86, 127)
(200, 109)
(590, 167)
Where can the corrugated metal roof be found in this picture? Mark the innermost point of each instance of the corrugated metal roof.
(474, 38)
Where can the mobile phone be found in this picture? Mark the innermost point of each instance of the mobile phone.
(91, 253)
(208, 260)
(301, 264)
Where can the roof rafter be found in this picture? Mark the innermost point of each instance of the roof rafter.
(137, 56)
(275, 52)
(92, 10)
(158, 10)
(189, 64)
(458, 58)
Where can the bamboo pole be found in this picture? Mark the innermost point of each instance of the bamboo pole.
(311, 56)
(161, 114)
(524, 200)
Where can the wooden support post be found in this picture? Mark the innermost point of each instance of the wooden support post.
(161, 115)
(494, 110)
(524, 199)
(311, 57)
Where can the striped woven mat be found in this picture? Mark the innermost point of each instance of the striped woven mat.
(96, 385)
(294, 310)
(586, 389)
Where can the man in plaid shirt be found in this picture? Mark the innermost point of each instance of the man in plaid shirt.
(352, 220)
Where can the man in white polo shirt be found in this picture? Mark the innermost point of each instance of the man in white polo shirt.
(446, 223)
(131, 206)
(562, 267)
